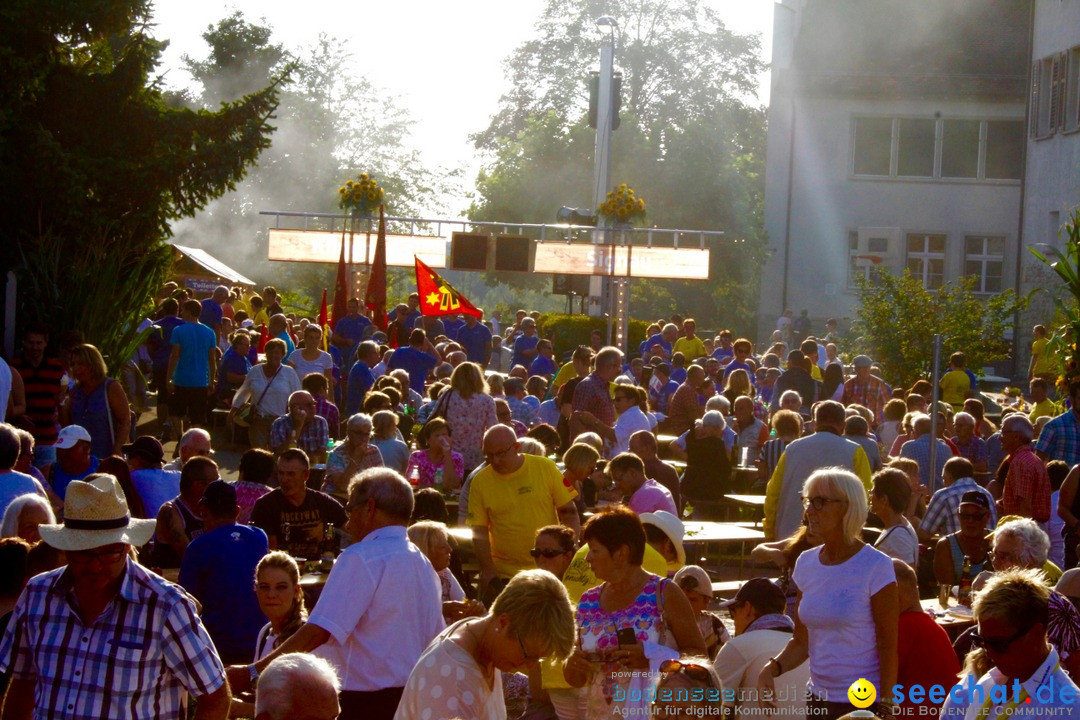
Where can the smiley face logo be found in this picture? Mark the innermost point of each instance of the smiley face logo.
(862, 693)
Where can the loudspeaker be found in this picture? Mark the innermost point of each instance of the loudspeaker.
(570, 285)
(513, 253)
(468, 251)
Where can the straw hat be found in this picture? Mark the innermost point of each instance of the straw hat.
(671, 526)
(96, 514)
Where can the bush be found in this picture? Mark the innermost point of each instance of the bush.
(566, 332)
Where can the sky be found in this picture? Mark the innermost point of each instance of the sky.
(443, 60)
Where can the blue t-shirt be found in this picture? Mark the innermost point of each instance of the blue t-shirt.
(290, 348)
(415, 362)
(656, 339)
(475, 340)
(211, 313)
(451, 327)
(411, 318)
(60, 479)
(193, 368)
(543, 366)
(219, 570)
(360, 381)
(678, 375)
(523, 343)
(353, 329)
(722, 352)
(162, 340)
(663, 397)
(232, 362)
(13, 484)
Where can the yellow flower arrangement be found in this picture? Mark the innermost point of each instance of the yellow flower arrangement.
(361, 196)
(623, 206)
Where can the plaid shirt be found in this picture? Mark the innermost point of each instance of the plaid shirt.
(314, 437)
(975, 449)
(592, 394)
(872, 394)
(946, 502)
(1027, 478)
(1060, 439)
(328, 411)
(919, 451)
(138, 659)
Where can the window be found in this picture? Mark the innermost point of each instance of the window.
(873, 145)
(984, 259)
(960, 148)
(926, 259)
(1004, 149)
(1072, 92)
(1043, 89)
(915, 157)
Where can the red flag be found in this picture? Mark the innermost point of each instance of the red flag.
(341, 289)
(375, 299)
(262, 338)
(438, 297)
(324, 321)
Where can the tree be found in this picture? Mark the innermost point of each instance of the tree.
(897, 319)
(94, 166)
(688, 142)
(331, 124)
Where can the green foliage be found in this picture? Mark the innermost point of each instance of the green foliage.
(688, 142)
(96, 164)
(568, 331)
(1066, 263)
(897, 319)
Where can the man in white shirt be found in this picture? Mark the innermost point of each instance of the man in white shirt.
(630, 420)
(379, 609)
(1012, 613)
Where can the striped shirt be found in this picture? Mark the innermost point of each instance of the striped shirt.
(946, 503)
(1060, 439)
(42, 385)
(138, 659)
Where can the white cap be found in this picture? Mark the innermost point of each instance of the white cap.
(71, 435)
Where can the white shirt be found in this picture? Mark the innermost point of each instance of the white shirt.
(900, 542)
(1049, 689)
(382, 605)
(319, 365)
(275, 402)
(631, 420)
(740, 661)
(835, 608)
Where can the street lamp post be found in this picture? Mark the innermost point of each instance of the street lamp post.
(600, 287)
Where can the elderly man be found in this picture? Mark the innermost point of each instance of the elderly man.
(73, 459)
(278, 328)
(301, 428)
(1027, 485)
(179, 520)
(1013, 616)
(918, 449)
(103, 637)
(968, 442)
(509, 500)
(194, 443)
(762, 631)
(525, 343)
(293, 516)
(644, 495)
(643, 444)
(593, 394)
(685, 405)
(381, 606)
(825, 448)
(664, 340)
(866, 389)
(298, 685)
(942, 513)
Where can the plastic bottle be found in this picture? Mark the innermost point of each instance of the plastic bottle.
(963, 590)
(414, 475)
(439, 479)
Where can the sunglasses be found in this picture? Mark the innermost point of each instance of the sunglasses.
(549, 554)
(997, 645)
(819, 503)
(972, 516)
(694, 672)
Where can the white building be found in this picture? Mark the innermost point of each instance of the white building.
(896, 139)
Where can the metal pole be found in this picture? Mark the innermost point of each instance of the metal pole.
(600, 287)
(935, 378)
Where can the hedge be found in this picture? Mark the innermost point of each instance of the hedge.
(568, 331)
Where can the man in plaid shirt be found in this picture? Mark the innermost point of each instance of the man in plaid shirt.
(1060, 439)
(941, 514)
(865, 389)
(301, 428)
(1027, 486)
(103, 637)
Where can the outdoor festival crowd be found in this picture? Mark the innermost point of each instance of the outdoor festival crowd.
(454, 517)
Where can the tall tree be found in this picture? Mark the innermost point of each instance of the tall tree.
(689, 141)
(94, 166)
(331, 124)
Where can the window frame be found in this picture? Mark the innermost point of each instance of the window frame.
(984, 258)
(925, 255)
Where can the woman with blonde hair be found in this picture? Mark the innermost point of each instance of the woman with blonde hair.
(579, 462)
(470, 410)
(281, 599)
(386, 437)
(460, 673)
(97, 403)
(434, 541)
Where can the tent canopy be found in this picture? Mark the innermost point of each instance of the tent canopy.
(212, 265)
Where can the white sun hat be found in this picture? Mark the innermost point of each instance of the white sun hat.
(96, 514)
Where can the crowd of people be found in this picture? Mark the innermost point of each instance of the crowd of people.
(328, 578)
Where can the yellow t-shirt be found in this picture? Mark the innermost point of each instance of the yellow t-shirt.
(690, 348)
(566, 373)
(261, 318)
(579, 578)
(955, 386)
(815, 372)
(513, 507)
(1044, 362)
(1046, 407)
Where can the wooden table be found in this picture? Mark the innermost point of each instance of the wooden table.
(754, 502)
(951, 624)
(718, 533)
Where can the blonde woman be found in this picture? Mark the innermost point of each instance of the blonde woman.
(97, 403)
(434, 541)
(470, 410)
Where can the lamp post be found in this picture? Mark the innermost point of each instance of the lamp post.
(600, 287)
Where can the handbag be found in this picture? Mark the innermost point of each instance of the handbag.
(440, 409)
(246, 414)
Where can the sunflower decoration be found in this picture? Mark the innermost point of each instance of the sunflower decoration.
(622, 206)
(360, 196)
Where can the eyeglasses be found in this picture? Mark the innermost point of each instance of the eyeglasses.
(997, 645)
(525, 653)
(819, 502)
(549, 553)
(499, 453)
(694, 672)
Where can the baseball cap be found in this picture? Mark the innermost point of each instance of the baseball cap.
(219, 498)
(765, 595)
(146, 446)
(862, 361)
(693, 577)
(71, 435)
(974, 497)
